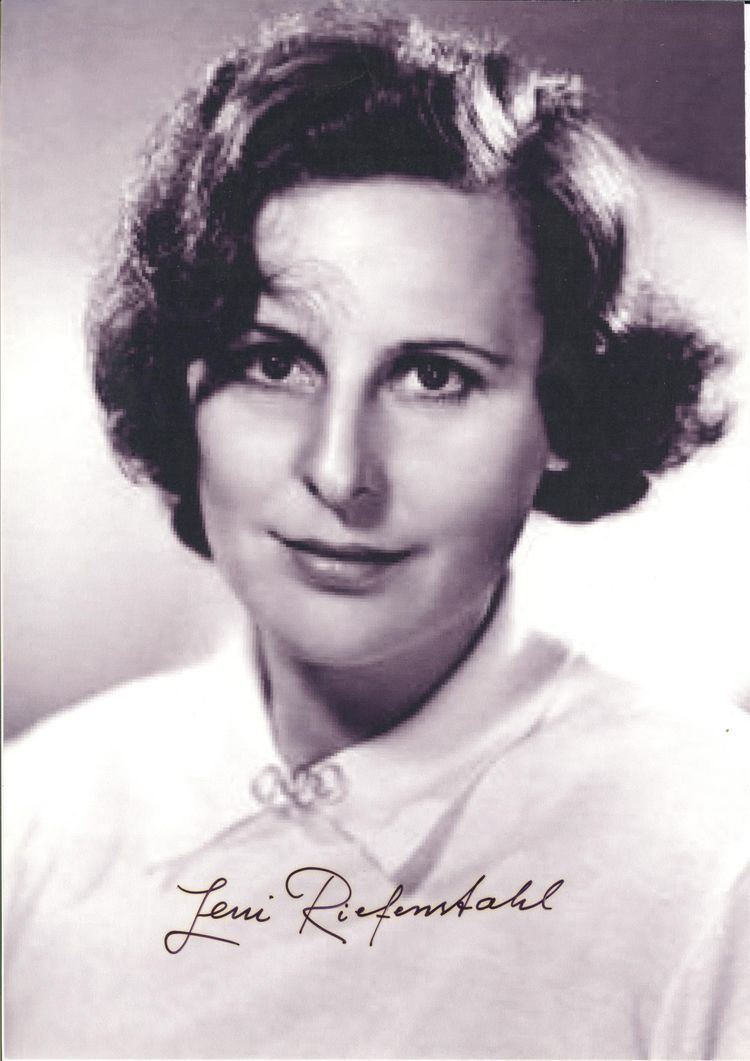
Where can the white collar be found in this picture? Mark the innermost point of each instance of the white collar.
(395, 788)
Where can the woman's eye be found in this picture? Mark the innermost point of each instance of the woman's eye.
(436, 378)
(275, 365)
(279, 369)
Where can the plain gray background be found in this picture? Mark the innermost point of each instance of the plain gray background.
(95, 589)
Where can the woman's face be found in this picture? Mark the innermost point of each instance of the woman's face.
(364, 478)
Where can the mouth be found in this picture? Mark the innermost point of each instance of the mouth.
(342, 568)
(353, 553)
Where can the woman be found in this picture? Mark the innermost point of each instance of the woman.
(370, 305)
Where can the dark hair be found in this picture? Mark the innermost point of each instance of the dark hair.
(342, 98)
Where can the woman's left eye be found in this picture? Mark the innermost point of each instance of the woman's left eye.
(436, 378)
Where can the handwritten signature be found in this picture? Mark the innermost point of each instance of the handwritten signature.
(330, 907)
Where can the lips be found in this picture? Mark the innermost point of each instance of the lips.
(342, 567)
(351, 552)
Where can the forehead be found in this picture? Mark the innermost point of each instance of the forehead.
(412, 252)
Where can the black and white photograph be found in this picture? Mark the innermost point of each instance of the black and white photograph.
(375, 517)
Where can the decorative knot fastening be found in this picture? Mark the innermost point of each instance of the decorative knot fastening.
(304, 787)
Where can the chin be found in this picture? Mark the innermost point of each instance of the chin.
(340, 640)
(335, 630)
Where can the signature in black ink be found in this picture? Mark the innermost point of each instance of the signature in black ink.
(335, 889)
(217, 911)
(340, 901)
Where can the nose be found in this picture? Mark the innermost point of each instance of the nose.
(341, 463)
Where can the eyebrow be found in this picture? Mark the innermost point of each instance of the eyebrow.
(272, 331)
(425, 346)
(409, 347)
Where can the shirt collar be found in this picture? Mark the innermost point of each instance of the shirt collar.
(392, 792)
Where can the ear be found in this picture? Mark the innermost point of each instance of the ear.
(196, 374)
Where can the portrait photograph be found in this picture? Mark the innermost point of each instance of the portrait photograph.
(375, 521)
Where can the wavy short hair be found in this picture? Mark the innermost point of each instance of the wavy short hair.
(336, 97)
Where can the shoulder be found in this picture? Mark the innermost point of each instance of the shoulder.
(617, 716)
(84, 752)
(672, 767)
(147, 715)
(639, 799)
(122, 760)
(94, 735)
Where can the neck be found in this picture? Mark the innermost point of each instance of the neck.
(319, 709)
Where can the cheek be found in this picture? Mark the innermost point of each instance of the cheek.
(481, 474)
(243, 461)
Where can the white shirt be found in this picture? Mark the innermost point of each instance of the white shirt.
(528, 765)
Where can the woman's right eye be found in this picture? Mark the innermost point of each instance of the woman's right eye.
(275, 367)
